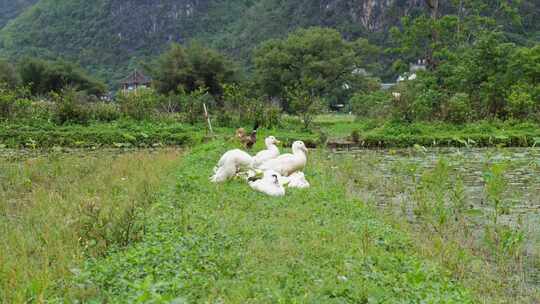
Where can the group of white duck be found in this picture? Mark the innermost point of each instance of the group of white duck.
(278, 170)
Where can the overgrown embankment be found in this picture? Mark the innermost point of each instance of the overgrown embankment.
(227, 243)
(399, 135)
(370, 134)
(115, 134)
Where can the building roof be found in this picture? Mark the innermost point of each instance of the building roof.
(137, 77)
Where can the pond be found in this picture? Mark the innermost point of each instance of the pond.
(389, 180)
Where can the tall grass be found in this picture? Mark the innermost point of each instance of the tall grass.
(55, 210)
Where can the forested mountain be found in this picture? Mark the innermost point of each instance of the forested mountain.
(109, 37)
(10, 9)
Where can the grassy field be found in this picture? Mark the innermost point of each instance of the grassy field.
(209, 243)
(58, 210)
(148, 227)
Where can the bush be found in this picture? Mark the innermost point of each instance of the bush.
(425, 105)
(169, 104)
(192, 105)
(304, 104)
(13, 103)
(521, 102)
(103, 111)
(458, 108)
(271, 116)
(373, 105)
(9, 75)
(355, 136)
(71, 107)
(140, 104)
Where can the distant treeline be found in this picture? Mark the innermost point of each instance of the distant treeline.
(472, 71)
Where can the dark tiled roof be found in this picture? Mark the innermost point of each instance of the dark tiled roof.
(137, 77)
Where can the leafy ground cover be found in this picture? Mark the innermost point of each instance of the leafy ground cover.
(121, 134)
(207, 243)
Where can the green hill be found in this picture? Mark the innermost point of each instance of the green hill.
(110, 37)
(9, 9)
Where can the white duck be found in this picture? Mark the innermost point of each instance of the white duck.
(269, 184)
(229, 164)
(271, 152)
(298, 180)
(287, 164)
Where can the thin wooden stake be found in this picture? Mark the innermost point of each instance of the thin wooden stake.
(208, 119)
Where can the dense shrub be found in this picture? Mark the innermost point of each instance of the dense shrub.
(104, 111)
(304, 104)
(139, 104)
(193, 105)
(521, 101)
(458, 108)
(71, 106)
(9, 75)
(372, 105)
(242, 107)
(14, 103)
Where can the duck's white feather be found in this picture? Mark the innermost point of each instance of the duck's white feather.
(271, 151)
(298, 180)
(287, 164)
(230, 163)
(269, 184)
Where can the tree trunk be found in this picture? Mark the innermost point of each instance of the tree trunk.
(433, 6)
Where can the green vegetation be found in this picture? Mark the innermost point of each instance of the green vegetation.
(227, 243)
(111, 38)
(128, 231)
(450, 224)
(370, 134)
(120, 134)
(317, 61)
(197, 241)
(185, 70)
(58, 210)
(43, 77)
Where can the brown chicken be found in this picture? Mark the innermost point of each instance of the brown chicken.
(247, 140)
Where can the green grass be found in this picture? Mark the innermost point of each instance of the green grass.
(209, 243)
(57, 210)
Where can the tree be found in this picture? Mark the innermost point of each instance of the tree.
(44, 77)
(9, 75)
(319, 55)
(188, 69)
(304, 104)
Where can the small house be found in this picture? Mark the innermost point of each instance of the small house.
(135, 81)
(413, 69)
